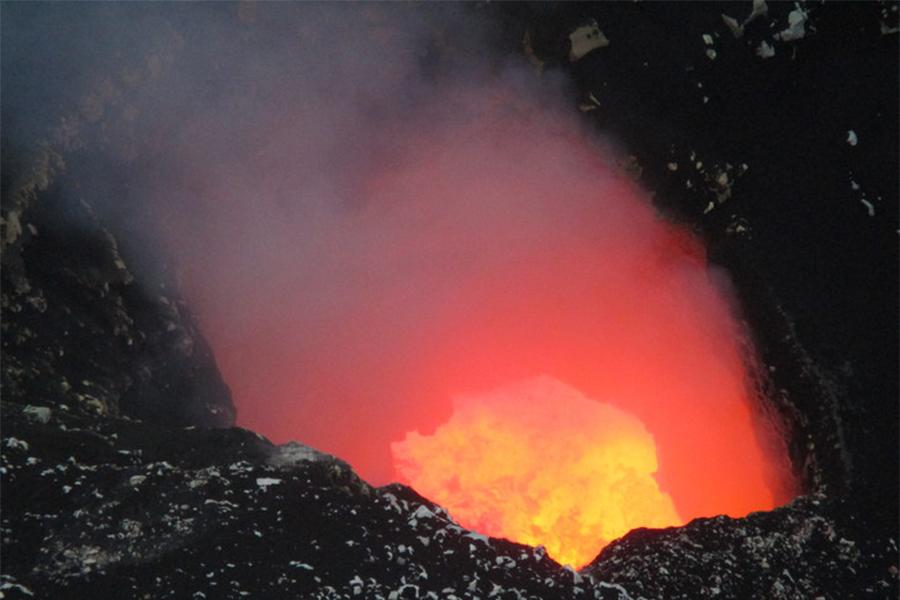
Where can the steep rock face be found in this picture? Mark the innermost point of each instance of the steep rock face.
(771, 129)
(78, 330)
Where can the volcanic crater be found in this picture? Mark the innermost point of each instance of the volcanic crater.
(610, 290)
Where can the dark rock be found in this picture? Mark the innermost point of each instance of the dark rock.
(803, 550)
(753, 154)
(79, 332)
(105, 507)
(100, 507)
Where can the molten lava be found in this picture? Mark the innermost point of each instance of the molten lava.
(539, 463)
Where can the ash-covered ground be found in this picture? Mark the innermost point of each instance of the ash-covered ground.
(770, 129)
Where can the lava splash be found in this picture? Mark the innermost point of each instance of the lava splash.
(537, 462)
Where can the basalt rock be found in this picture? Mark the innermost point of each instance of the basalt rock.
(111, 508)
(811, 548)
(785, 163)
(79, 333)
(104, 507)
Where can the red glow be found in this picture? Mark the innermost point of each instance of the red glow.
(497, 246)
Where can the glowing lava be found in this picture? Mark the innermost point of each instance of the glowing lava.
(539, 463)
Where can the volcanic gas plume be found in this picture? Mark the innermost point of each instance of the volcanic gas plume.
(366, 235)
(497, 248)
(492, 246)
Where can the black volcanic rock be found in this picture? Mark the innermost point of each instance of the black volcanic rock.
(786, 165)
(754, 153)
(807, 549)
(103, 508)
(79, 332)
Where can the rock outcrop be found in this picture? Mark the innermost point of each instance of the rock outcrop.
(80, 333)
(104, 508)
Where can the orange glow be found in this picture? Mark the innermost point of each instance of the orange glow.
(491, 242)
(539, 463)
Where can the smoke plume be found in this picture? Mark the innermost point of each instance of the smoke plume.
(374, 211)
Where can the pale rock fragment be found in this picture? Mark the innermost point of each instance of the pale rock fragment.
(40, 414)
(760, 8)
(796, 29)
(584, 39)
(765, 50)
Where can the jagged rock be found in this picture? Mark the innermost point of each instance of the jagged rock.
(802, 550)
(817, 278)
(106, 507)
(80, 334)
(94, 507)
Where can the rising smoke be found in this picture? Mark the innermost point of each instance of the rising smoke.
(373, 211)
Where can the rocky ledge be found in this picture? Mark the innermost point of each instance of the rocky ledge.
(103, 507)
